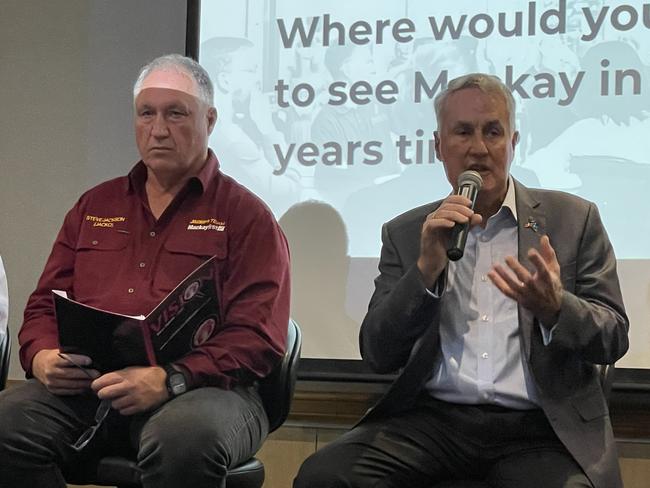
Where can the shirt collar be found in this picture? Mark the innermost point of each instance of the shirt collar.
(510, 200)
(138, 175)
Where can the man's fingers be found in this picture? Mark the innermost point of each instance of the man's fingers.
(121, 399)
(111, 390)
(107, 379)
(72, 372)
(457, 213)
(543, 271)
(444, 223)
(547, 251)
(500, 283)
(79, 359)
(93, 373)
(522, 274)
(59, 386)
(538, 291)
(504, 281)
(451, 216)
(129, 410)
(458, 200)
(456, 207)
(122, 402)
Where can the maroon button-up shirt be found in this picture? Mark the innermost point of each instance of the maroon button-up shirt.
(113, 254)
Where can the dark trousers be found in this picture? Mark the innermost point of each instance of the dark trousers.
(438, 441)
(189, 441)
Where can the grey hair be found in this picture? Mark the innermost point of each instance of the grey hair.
(179, 64)
(486, 83)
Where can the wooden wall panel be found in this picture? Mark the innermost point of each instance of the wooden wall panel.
(634, 459)
(283, 453)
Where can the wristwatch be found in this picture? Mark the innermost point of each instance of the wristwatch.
(175, 381)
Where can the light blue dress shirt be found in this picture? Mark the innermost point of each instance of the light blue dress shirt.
(482, 359)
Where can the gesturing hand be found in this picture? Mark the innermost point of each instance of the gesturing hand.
(539, 292)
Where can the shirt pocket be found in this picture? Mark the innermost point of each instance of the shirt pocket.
(105, 241)
(183, 253)
(99, 257)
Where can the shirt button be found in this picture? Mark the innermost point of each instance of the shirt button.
(152, 234)
(485, 318)
(130, 290)
(484, 355)
(483, 278)
(142, 264)
(95, 243)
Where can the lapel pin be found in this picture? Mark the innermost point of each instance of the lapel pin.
(532, 224)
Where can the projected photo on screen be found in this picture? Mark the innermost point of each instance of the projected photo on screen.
(326, 112)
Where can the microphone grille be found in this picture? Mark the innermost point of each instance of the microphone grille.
(470, 177)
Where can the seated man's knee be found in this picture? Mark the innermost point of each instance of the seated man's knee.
(323, 469)
(181, 443)
(200, 430)
(11, 417)
(29, 430)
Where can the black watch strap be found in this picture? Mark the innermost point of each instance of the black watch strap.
(175, 381)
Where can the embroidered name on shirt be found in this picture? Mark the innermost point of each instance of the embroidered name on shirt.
(207, 224)
(104, 221)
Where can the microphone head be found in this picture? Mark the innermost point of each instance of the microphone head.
(470, 177)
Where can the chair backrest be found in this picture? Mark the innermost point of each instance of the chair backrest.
(277, 388)
(5, 352)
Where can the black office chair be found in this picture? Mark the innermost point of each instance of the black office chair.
(606, 374)
(276, 391)
(5, 353)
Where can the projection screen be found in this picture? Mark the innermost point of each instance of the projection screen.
(325, 112)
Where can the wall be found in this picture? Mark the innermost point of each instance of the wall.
(66, 72)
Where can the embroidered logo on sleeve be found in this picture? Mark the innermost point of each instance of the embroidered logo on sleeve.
(104, 221)
(207, 224)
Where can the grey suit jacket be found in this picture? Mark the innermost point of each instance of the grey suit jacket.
(401, 328)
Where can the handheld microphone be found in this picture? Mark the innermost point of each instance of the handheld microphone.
(469, 184)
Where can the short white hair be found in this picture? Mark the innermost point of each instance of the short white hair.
(486, 83)
(180, 64)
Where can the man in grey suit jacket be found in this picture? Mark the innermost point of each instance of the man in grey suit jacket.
(498, 352)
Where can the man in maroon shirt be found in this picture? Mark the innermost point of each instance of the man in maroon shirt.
(123, 247)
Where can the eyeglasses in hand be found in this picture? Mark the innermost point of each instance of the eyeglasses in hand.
(89, 433)
(100, 415)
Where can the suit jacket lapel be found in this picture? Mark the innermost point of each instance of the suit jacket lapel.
(531, 226)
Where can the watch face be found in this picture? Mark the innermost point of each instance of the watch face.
(177, 383)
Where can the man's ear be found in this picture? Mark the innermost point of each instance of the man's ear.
(515, 139)
(436, 140)
(212, 119)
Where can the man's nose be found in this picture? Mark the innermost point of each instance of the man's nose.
(159, 128)
(478, 146)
